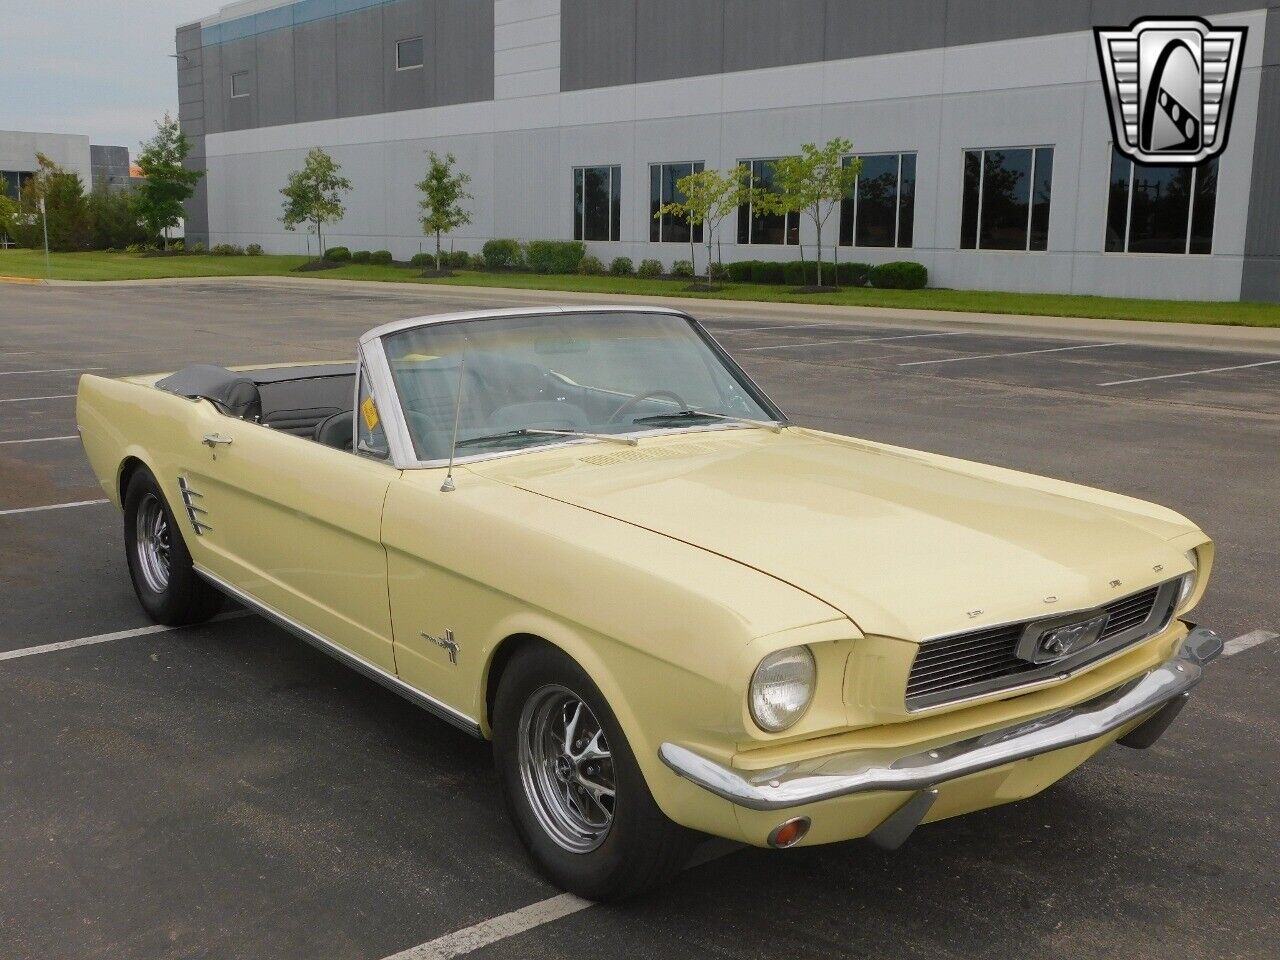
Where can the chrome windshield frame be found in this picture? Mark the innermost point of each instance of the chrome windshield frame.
(372, 352)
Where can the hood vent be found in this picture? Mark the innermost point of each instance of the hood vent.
(641, 454)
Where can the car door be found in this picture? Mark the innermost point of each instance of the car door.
(295, 525)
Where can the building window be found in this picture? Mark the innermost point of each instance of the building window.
(597, 203)
(240, 84)
(409, 53)
(1006, 199)
(14, 181)
(662, 190)
(766, 228)
(880, 212)
(1153, 209)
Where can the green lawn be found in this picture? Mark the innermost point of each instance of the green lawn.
(123, 266)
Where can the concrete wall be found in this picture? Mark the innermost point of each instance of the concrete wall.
(18, 149)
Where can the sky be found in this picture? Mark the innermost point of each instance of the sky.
(96, 67)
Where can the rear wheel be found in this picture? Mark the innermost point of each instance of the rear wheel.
(571, 784)
(163, 576)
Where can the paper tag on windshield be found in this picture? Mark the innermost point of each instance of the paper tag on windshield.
(369, 410)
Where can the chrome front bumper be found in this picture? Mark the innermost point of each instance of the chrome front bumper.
(1160, 692)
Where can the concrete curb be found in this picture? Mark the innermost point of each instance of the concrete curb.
(1198, 336)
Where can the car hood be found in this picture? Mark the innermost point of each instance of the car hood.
(906, 544)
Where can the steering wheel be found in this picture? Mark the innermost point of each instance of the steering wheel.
(629, 406)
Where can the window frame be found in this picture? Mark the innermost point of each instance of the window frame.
(614, 229)
(414, 66)
(1031, 197)
(1186, 250)
(897, 203)
(750, 207)
(695, 230)
(239, 73)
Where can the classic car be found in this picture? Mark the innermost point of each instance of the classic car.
(586, 534)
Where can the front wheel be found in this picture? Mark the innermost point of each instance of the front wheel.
(571, 784)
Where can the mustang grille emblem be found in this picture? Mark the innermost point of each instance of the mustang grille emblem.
(1056, 639)
(446, 643)
(1171, 87)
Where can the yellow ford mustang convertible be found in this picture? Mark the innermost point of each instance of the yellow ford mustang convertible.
(587, 535)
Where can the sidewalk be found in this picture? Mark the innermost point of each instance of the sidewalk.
(1194, 335)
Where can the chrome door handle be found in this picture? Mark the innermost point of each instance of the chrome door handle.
(211, 440)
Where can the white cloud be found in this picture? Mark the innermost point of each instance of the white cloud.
(95, 67)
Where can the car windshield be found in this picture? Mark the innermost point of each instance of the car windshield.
(534, 380)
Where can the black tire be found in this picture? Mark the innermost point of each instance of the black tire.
(180, 596)
(641, 848)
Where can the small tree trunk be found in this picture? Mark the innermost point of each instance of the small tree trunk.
(319, 241)
(817, 224)
(709, 243)
(165, 234)
(437, 251)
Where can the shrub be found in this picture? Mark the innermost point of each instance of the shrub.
(253, 250)
(381, 257)
(650, 269)
(503, 254)
(899, 275)
(740, 270)
(800, 273)
(591, 265)
(478, 261)
(196, 247)
(622, 267)
(337, 254)
(459, 258)
(423, 260)
(360, 256)
(554, 256)
(142, 248)
(853, 274)
(178, 243)
(682, 269)
(768, 271)
(719, 271)
(226, 250)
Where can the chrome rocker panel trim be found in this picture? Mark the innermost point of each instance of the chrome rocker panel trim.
(842, 774)
(341, 654)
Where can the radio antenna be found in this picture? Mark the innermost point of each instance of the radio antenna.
(447, 486)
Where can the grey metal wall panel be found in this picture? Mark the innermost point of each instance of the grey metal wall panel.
(463, 51)
(982, 21)
(772, 33)
(1124, 12)
(359, 63)
(1262, 235)
(677, 38)
(415, 88)
(275, 78)
(315, 76)
(597, 43)
(215, 92)
(873, 27)
(187, 38)
(196, 208)
(240, 56)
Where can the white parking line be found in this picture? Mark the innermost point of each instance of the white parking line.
(821, 343)
(791, 346)
(1189, 373)
(1019, 353)
(10, 373)
(1247, 641)
(70, 436)
(108, 637)
(526, 918)
(774, 326)
(52, 506)
(54, 396)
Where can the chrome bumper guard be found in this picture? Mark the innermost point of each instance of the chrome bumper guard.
(1160, 692)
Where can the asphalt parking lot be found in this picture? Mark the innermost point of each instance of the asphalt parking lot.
(226, 791)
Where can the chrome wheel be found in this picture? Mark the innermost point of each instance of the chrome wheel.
(152, 543)
(566, 769)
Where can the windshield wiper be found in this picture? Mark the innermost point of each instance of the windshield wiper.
(691, 413)
(531, 431)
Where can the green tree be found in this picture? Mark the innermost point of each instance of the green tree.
(8, 210)
(116, 223)
(709, 197)
(813, 183)
(66, 209)
(313, 194)
(443, 193)
(168, 181)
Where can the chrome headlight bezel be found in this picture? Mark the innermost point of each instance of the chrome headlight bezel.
(782, 688)
(1189, 581)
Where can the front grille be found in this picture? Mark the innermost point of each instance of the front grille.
(983, 661)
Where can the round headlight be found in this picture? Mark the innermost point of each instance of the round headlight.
(1188, 584)
(782, 688)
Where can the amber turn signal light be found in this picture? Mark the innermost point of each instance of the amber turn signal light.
(789, 832)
